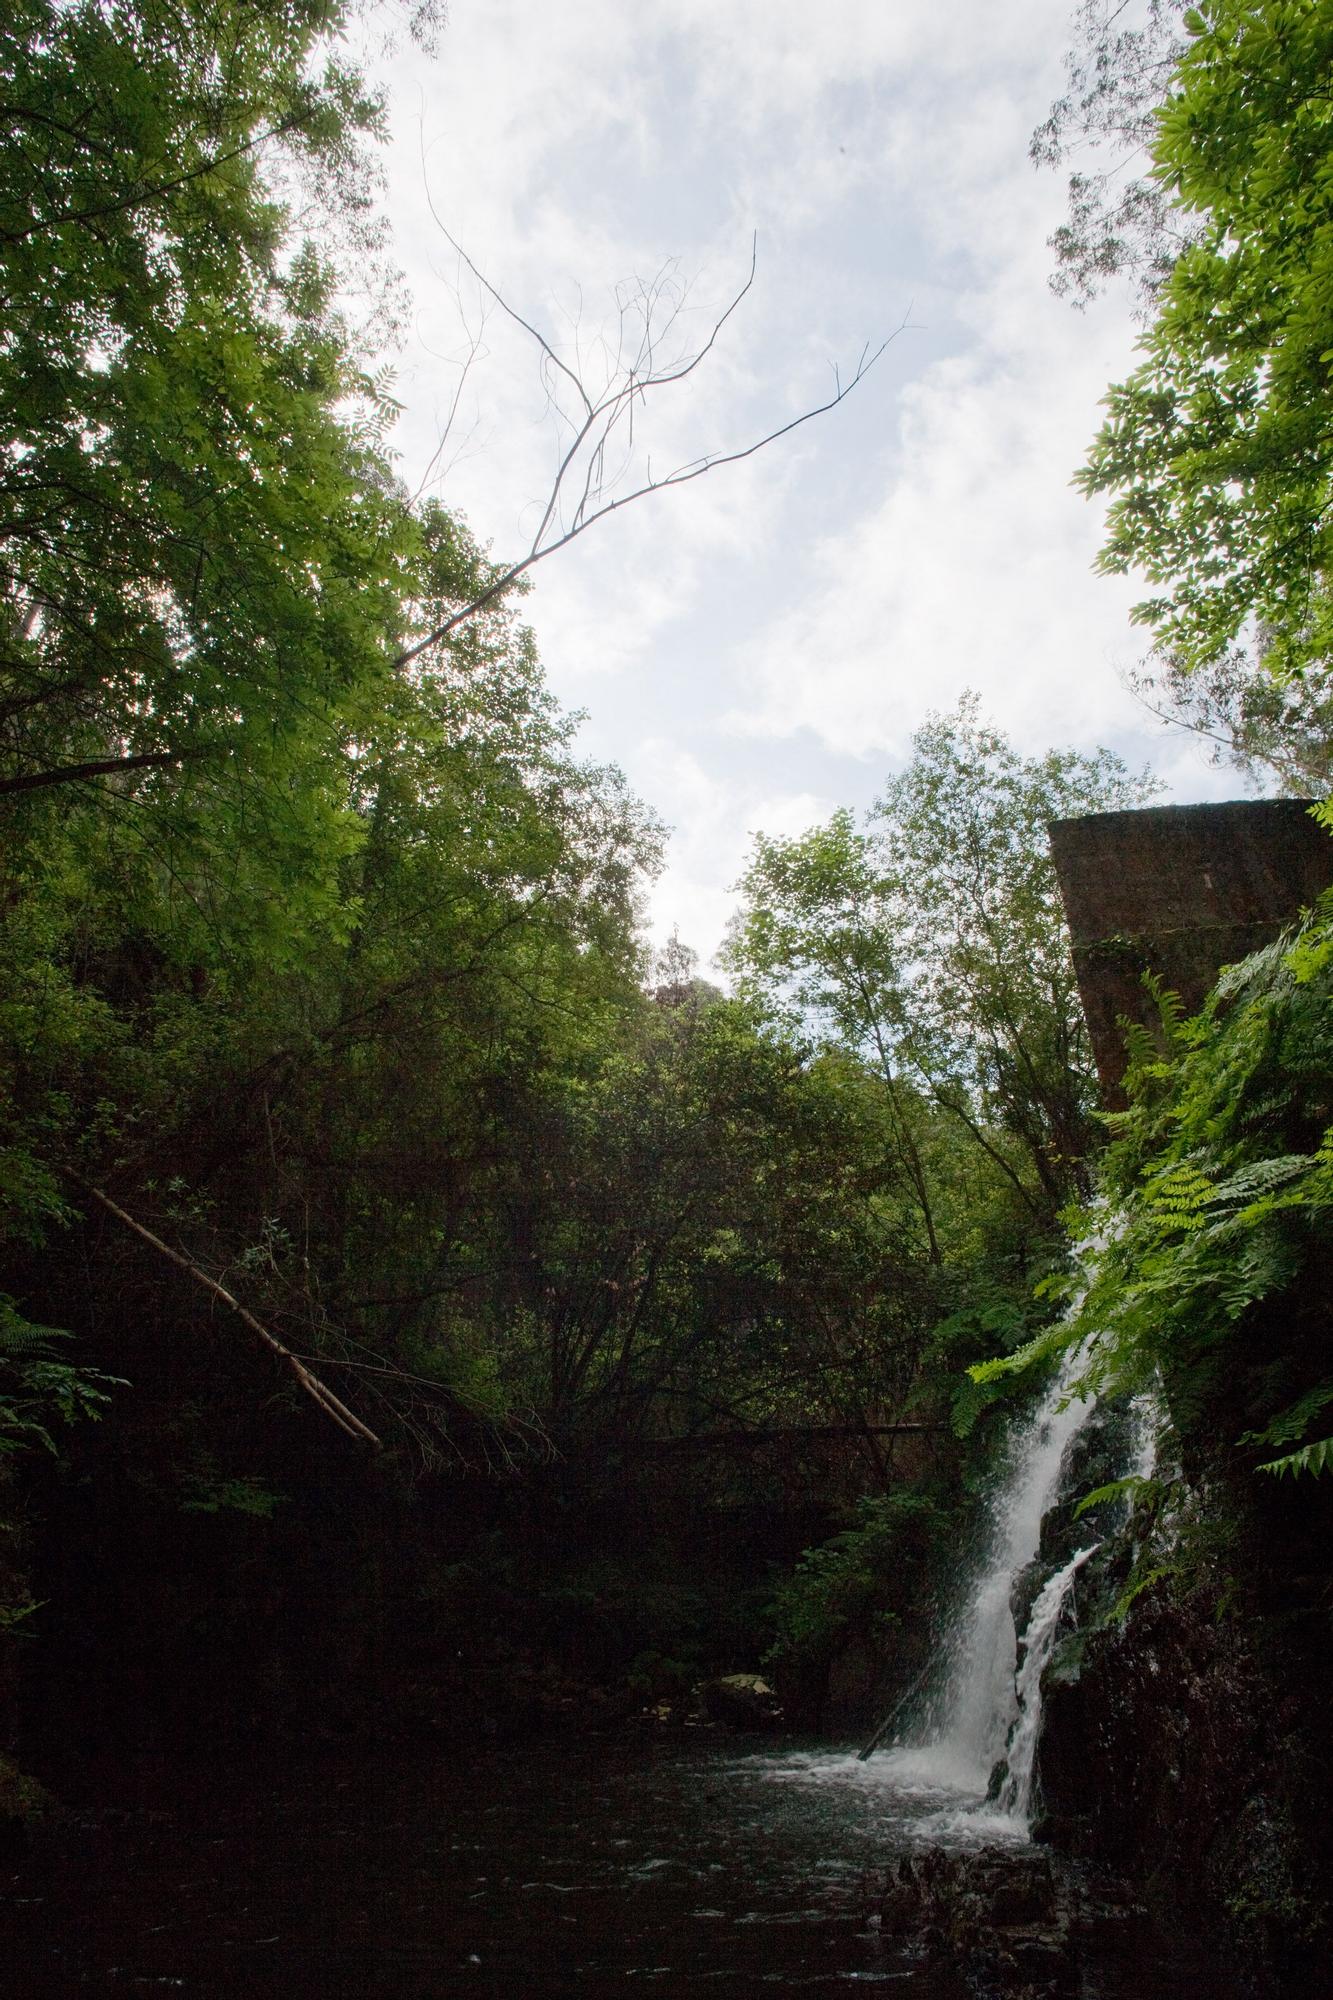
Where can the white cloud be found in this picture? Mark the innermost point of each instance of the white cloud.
(970, 569)
(804, 609)
(715, 820)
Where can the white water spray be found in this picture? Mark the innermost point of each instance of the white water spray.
(967, 1728)
(1015, 1795)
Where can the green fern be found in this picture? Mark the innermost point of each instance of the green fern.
(1259, 1178)
(1141, 1049)
(1217, 1186)
(19, 1337)
(1170, 1007)
(1312, 1458)
(1179, 1195)
(1137, 1585)
(1046, 1344)
(38, 1389)
(1131, 1488)
(1266, 963)
(1292, 1423)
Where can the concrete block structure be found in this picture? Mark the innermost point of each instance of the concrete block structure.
(1179, 891)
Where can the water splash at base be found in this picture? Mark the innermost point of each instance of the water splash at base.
(987, 1714)
(965, 1730)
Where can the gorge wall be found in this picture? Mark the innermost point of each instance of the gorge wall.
(1187, 1740)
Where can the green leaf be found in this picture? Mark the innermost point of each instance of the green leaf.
(1312, 1458)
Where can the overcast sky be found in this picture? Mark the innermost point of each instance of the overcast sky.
(757, 648)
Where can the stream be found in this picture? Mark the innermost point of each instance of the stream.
(702, 1865)
(685, 1865)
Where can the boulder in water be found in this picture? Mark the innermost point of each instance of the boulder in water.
(742, 1701)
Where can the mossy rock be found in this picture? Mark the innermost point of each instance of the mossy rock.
(26, 1808)
(742, 1701)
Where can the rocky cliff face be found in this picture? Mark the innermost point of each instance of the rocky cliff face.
(1180, 1753)
(1189, 1743)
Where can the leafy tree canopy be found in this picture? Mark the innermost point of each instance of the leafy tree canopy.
(1278, 733)
(203, 556)
(1215, 453)
(932, 941)
(1121, 219)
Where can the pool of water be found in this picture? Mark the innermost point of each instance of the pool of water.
(679, 1868)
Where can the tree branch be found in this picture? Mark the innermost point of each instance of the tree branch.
(319, 1393)
(138, 197)
(97, 767)
(599, 416)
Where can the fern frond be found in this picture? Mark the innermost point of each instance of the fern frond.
(1170, 1007)
(1291, 1423)
(1253, 974)
(20, 1339)
(1136, 1587)
(1261, 1177)
(1046, 1343)
(1140, 1048)
(1115, 1489)
(1178, 1194)
(1312, 1458)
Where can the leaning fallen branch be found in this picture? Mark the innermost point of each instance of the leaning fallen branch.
(318, 1392)
(894, 1713)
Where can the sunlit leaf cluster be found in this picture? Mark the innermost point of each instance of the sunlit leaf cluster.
(1215, 452)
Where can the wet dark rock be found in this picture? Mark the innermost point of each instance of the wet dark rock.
(1004, 1918)
(1097, 1457)
(27, 1811)
(1026, 1924)
(1026, 1588)
(1167, 1753)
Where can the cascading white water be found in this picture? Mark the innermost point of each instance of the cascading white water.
(1015, 1795)
(965, 1731)
(1145, 1416)
(1014, 1798)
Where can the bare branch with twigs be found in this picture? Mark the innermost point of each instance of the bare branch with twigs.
(601, 422)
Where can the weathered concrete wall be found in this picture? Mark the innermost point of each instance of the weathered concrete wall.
(1179, 891)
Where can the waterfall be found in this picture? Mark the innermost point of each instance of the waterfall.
(984, 1702)
(1015, 1794)
(1014, 1797)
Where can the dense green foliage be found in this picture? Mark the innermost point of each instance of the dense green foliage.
(1205, 1265)
(38, 1387)
(932, 944)
(255, 863)
(1215, 452)
(1215, 456)
(861, 1586)
(349, 1139)
(202, 554)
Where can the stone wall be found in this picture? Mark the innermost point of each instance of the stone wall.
(1179, 891)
